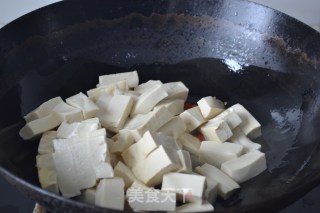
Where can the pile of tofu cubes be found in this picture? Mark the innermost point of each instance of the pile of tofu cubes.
(129, 144)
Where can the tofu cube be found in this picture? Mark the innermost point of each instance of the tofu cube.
(69, 130)
(226, 186)
(210, 107)
(145, 87)
(216, 130)
(131, 77)
(189, 143)
(81, 101)
(175, 106)
(45, 145)
(39, 126)
(240, 138)
(246, 166)
(114, 111)
(124, 172)
(175, 127)
(192, 118)
(189, 187)
(151, 169)
(67, 113)
(47, 173)
(110, 194)
(146, 101)
(195, 207)
(250, 126)
(216, 153)
(88, 196)
(43, 110)
(176, 90)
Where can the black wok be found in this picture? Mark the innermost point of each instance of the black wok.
(236, 50)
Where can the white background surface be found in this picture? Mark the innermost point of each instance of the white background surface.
(307, 11)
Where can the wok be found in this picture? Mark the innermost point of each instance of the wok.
(236, 50)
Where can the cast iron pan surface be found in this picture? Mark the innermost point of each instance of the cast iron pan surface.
(235, 50)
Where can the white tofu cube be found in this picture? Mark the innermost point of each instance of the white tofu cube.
(124, 172)
(176, 90)
(43, 110)
(192, 118)
(151, 170)
(81, 101)
(151, 121)
(39, 126)
(114, 111)
(69, 130)
(88, 196)
(246, 166)
(216, 153)
(66, 174)
(240, 138)
(230, 117)
(189, 143)
(67, 113)
(175, 127)
(47, 173)
(210, 107)
(131, 77)
(226, 186)
(175, 106)
(123, 141)
(216, 130)
(95, 93)
(110, 194)
(45, 145)
(189, 187)
(146, 101)
(145, 87)
(250, 126)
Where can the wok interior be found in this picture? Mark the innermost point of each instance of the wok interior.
(284, 100)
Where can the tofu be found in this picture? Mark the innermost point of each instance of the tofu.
(131, 77)
(195, 207)
(110, 194)
(43, 110)
(81, 101)
(216, 153)
(69, 130)
(148, 143)
(151, 169)
(88, 196)
(176, 90)
(45, 145)
(66, 174)
(192, 118)
(95, 93)
(189, 187)
(124, 172)
(245, 167)
(216, 130)
(46, 173)
(189, 143)
(240, 138)
(146, 101)
(67, 113)
(98, 150)
(250, 126)
(175, 106)
(83, 165)
(210, 107)
(226, 186)
(230, 116)
(142, 198)
(124, 140)
(175, 127)
(151, 121)
(211, 191)
(92, 134)
(185, 161)
(114, 111)
(145, 87)
(39, 126)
